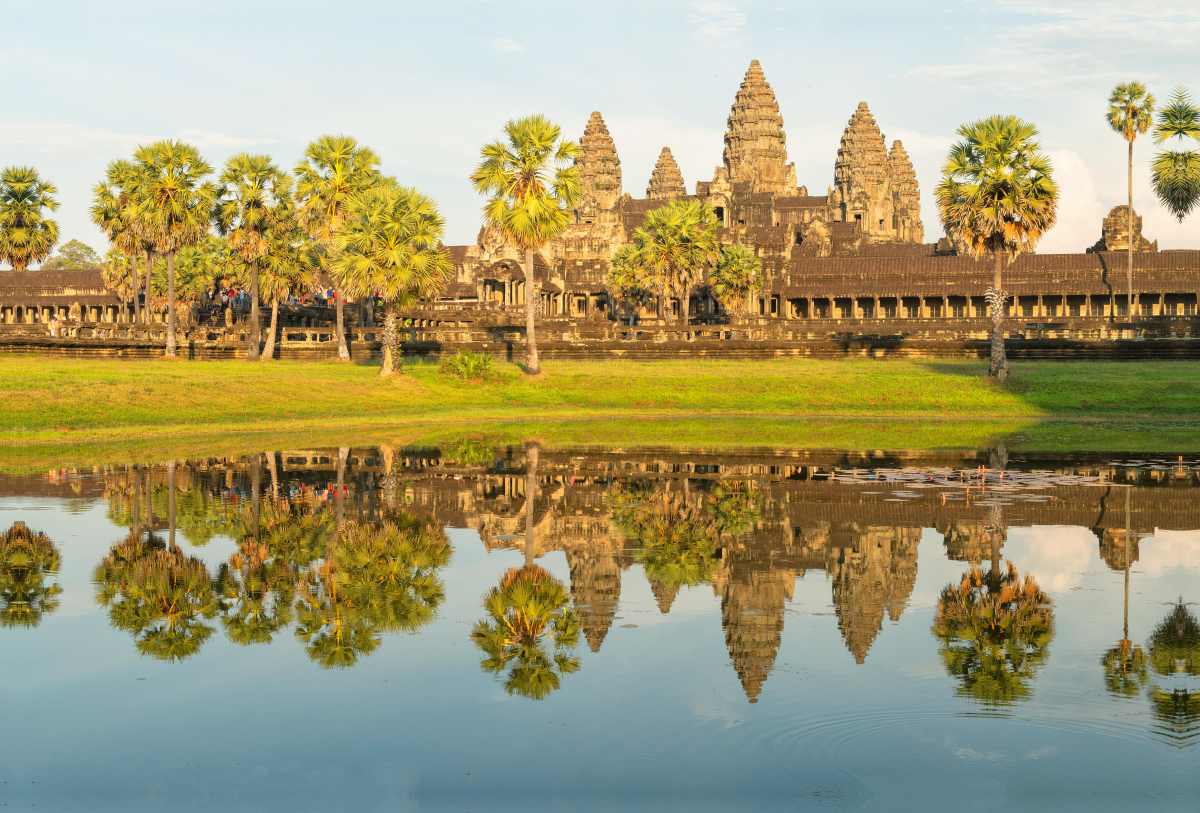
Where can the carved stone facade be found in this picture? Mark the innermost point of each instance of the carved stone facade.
(755, 143)
(666, 181)
(600, 167)
(1115, 236)
(873, 189)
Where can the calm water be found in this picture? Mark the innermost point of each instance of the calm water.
(651, 631)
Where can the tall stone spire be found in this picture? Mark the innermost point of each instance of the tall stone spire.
(599, 165)
(907, 196)
(860, 176)
(596, 591)
(754, 595)
(664, 595)
(755, 143)
(666, 181)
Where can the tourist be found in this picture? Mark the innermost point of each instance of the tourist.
(54, 325)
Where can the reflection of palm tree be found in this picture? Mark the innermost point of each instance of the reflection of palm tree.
(734, 506)
(528, 613)
(677, 539)
(256, 588)
(162, 597)
(373, 580)
(995, 632)
(1125, 664)
(1175, 654)
(26, 559)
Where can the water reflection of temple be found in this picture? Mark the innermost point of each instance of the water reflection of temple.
(867, 548)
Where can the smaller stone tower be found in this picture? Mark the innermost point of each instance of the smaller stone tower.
(666, 181)
(599, 167)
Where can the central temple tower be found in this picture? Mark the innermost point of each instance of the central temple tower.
(755, 143)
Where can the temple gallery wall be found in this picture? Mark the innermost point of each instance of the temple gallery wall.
(849, 262)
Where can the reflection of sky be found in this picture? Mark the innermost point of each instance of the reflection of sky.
(655, 720)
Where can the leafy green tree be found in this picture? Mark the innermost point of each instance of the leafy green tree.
(1175, 174)
(994, 631)
(334, 170)
(675, 540)
(674, 247)
(528, 632)
(1124, 669)
(734, 506)
(624, 284)
(114, 211)
(531, 186)
(256, 589)
(26, 234)
(174, 207)
(737, 276)
(163, 598)
(290, 267)
(74, 255)
(27, 559)
(997, 195)
(390, 246)
(373, 580)
(255, 202)
(1175, 654)
(1130, 111)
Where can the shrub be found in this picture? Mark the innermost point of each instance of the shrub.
(468, 366)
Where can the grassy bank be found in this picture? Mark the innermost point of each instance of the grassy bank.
(130, 405)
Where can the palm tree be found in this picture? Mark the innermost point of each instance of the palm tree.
(737, 276)
(997, 195)
(623, 282)
(254, 194)
(1175, 654)
(1125, 664)
(162, 597)
(26, 234)
(675, 245)
(174, 207)
(27, 558)
(390, 246)
(1130, 108)
(334, 169)
(734, 506)
(113, 211)
(256, 587)
(995, 632)
(676, 541)
(290, 267)
(528, 632)
(373, 580)
(531, 186)
(1176, 174)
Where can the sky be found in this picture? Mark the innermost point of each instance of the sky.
(427, 84)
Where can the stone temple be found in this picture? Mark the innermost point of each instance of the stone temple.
(851, 265)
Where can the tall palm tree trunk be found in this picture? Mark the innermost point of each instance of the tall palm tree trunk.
(171, 304)
(684, 303)
(998, 368)
(269, 348)
(532, 365)
(388, 350)
(1129, 247)
(531, 464)
(343, 453)
(343, 351)
(274, 475)
(171, 505)
(255, 487)
(137, 304)
(253, 335)
(1127, 542)
(135, 518)
(149, 274)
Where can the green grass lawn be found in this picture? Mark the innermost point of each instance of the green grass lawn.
(96, 404)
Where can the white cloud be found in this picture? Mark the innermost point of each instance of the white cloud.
(1080, 210)
(202, 138)
(500, 44)
(69, 139)
(715, 21)
(1167, 550)
(1056, 555)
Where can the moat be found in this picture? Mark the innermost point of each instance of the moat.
(526, 627)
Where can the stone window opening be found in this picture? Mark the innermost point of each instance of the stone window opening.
(774, 306)
(719, 211)
(858, 219)
(799, 238)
